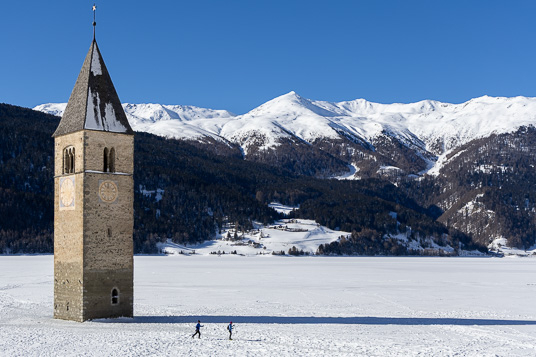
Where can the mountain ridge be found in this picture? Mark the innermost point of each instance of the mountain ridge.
(423, 132)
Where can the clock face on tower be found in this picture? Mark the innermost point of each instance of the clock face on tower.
(67, 193)
(108, 191)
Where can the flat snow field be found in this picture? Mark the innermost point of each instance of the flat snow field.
(286, 306)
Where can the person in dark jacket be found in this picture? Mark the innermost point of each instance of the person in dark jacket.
(197, 329)
(230, 329)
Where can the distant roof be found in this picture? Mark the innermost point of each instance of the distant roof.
(94, 104)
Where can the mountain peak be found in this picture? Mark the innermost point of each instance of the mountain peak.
(291, 96)
(290, 104)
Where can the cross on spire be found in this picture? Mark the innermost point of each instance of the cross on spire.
(94, 22)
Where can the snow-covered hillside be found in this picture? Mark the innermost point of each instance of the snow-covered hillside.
(290, 237)
(305, 235)
(426, 126)
(430, 121)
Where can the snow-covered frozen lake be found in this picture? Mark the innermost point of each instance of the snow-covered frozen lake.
(286, 306)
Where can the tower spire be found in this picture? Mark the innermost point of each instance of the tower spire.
(94, 22)
(94, 103)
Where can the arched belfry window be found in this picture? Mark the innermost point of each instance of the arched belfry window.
(108, 160)
(68, 160)
(105, 160)
(115, 296)
(111, 160)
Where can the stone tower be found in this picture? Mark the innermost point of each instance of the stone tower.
(93, 200)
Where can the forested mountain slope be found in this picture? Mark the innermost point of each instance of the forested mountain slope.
(487, 189)
(187, 194)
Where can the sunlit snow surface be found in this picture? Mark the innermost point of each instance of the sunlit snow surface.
(303, 234)
(286, 306)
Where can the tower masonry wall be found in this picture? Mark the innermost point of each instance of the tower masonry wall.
(97, 141)
(68, 234)
(108, 226)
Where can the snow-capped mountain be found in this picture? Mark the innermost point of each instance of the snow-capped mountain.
(370, 136)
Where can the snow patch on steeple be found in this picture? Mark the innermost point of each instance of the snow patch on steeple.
(96, 69)
(93, 112)
(110, 120)
(95, 120)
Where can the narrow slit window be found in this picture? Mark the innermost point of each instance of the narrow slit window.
(111, 160)
(72, 161)
(65, 161)
(68, 160)
(105, 160)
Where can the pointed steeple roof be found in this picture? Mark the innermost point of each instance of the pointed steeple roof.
(94, 104)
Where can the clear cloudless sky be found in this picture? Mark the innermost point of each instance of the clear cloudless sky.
(237, 54)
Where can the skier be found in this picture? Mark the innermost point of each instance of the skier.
(197, 329)
(230, 329)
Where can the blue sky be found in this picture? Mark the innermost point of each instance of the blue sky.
(236, 55)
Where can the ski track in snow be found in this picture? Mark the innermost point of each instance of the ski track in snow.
(285, 306)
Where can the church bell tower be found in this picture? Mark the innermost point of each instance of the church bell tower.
(93, 200)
